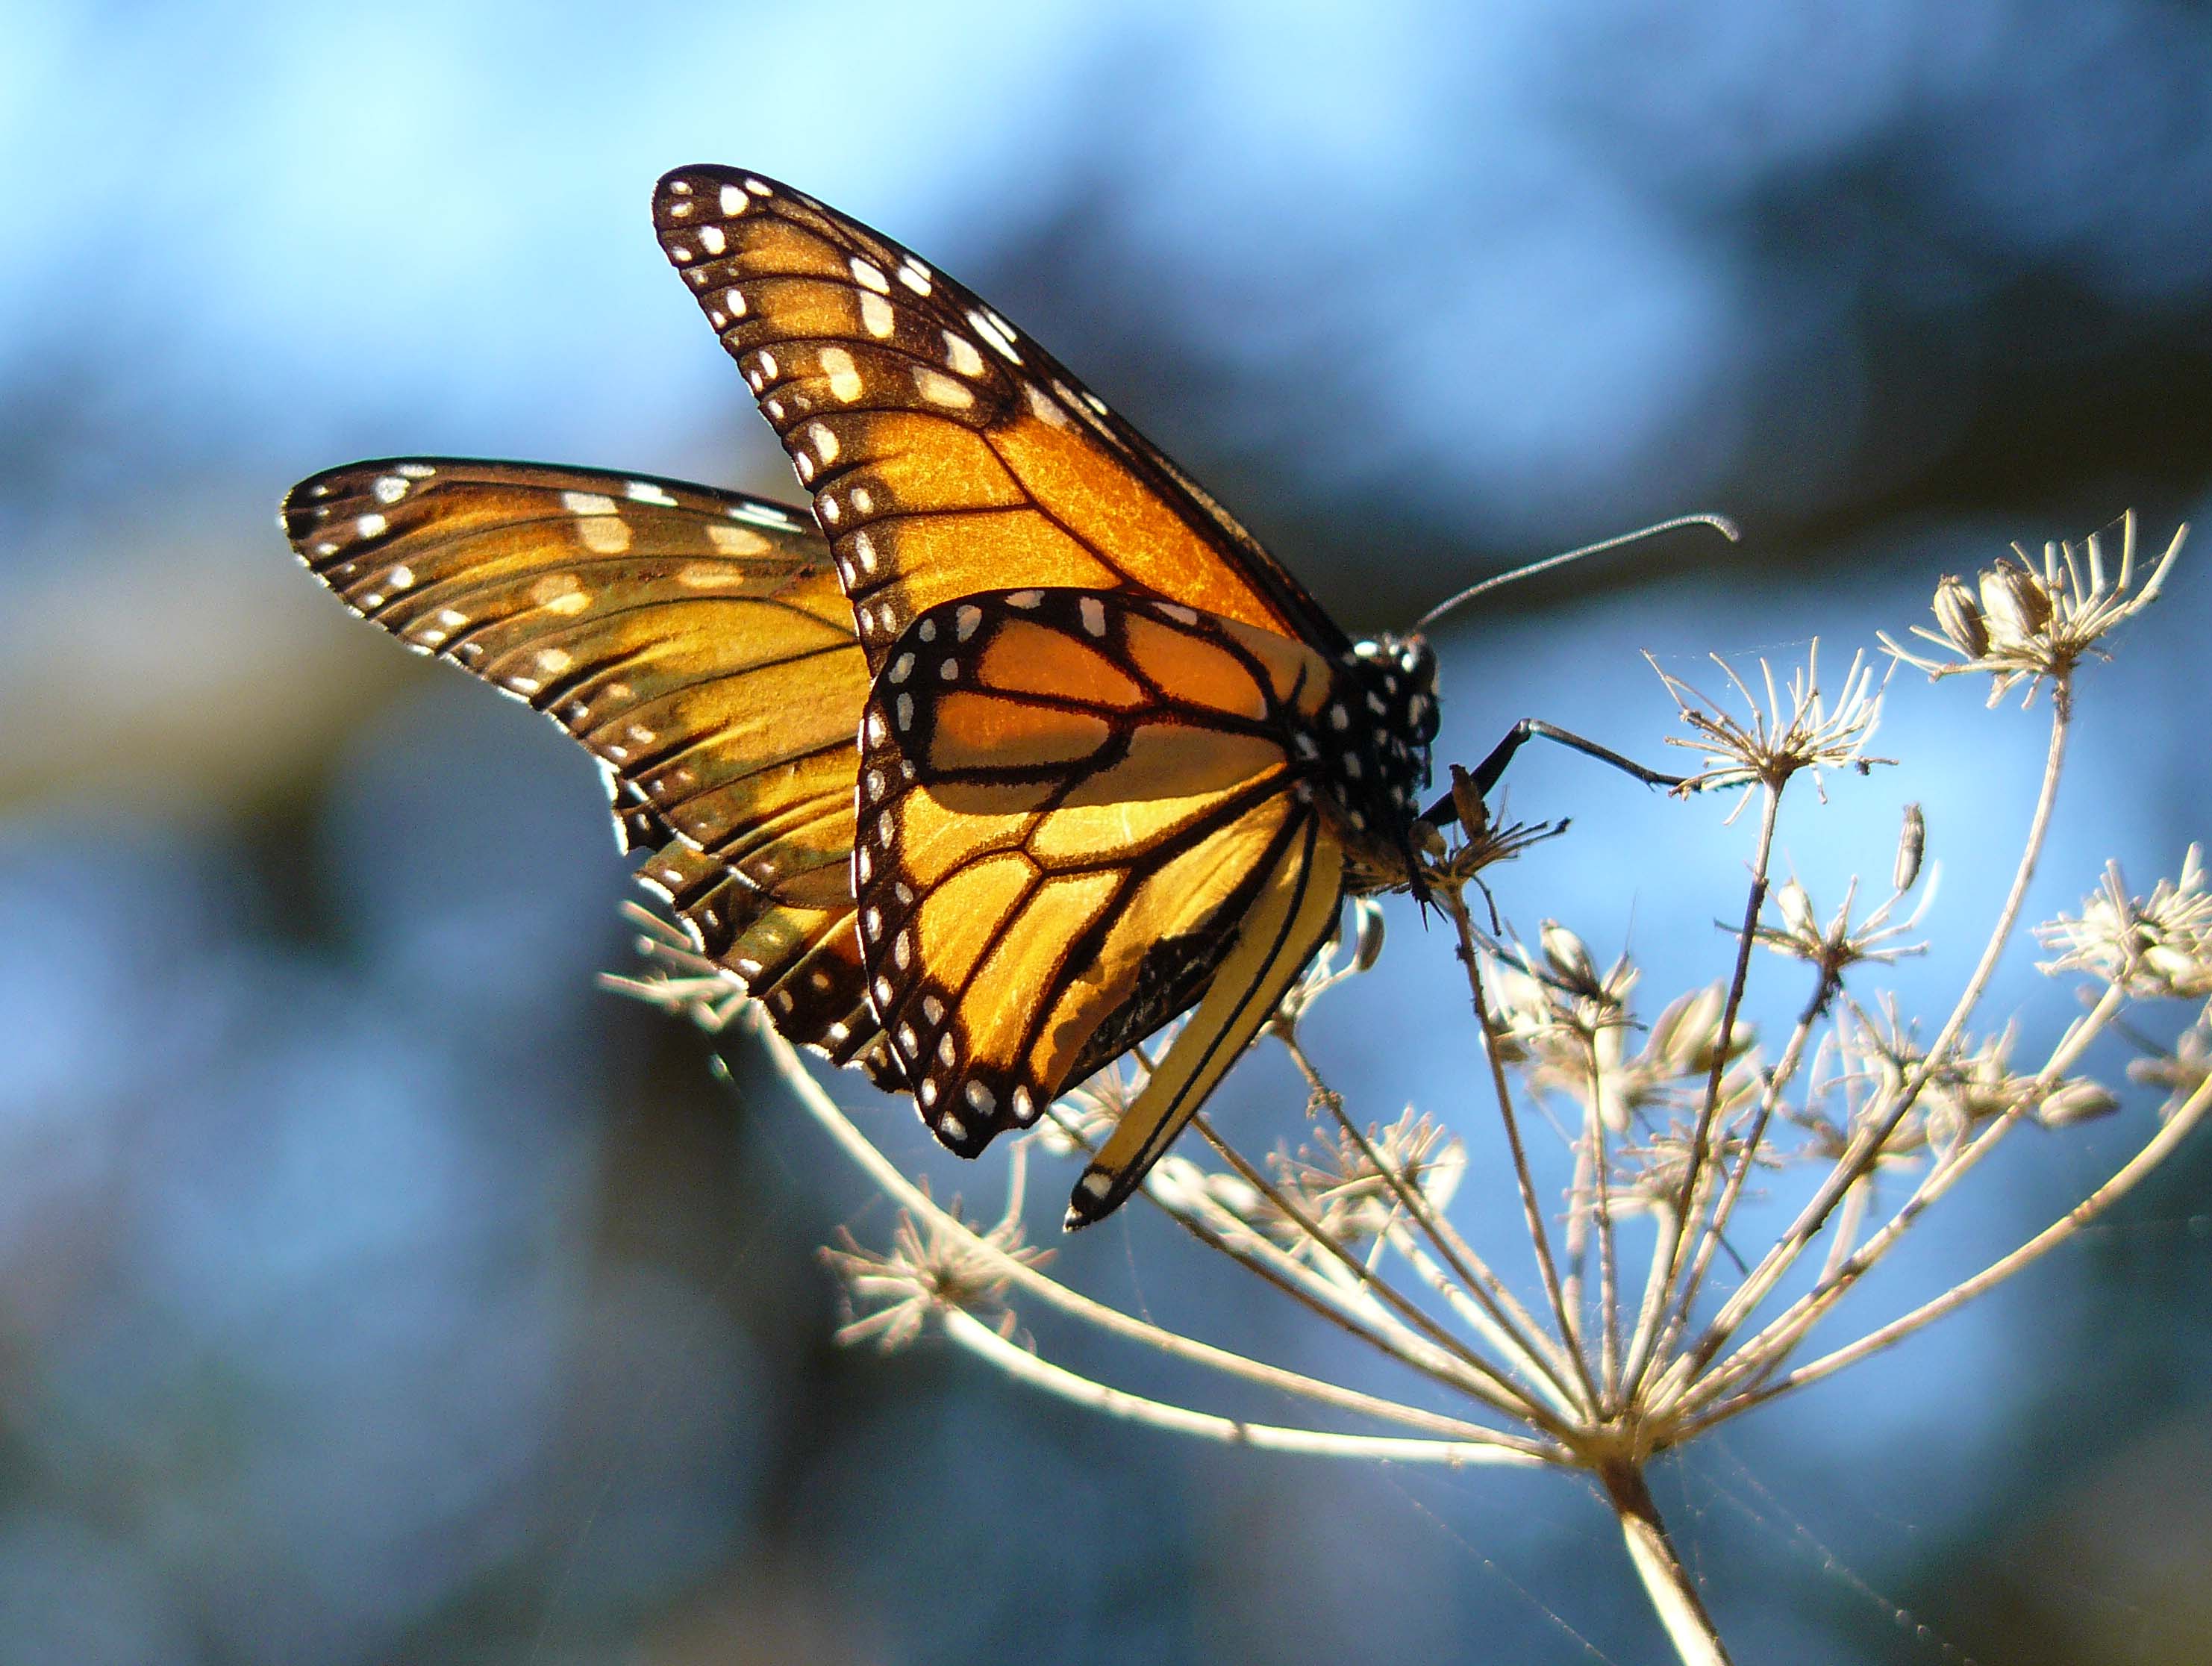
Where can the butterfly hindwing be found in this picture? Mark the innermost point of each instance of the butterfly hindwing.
(1290, 915)
(1071, 802)
(948, 453)
(694, 642)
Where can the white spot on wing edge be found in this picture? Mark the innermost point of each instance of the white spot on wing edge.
(995, 332)
(960, 353)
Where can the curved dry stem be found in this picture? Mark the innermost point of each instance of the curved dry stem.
(1866, 1146)
(1765, 1352)
(1424, 1343)
(2130, 1174)
(792, 1069)
(1714, 1231)
(1348, 1304)
(1435, 1276)
(1454, 904)
(1023, 1367)
(1643, 1349)
(1480, 1296)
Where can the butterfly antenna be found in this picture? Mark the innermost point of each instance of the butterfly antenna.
(1720, 524)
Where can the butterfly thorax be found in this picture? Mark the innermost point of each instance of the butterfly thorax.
(1369, 747)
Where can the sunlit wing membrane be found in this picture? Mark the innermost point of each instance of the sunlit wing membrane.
(1291, 915)
(947, 452)
(694, 642)
(1068, 801)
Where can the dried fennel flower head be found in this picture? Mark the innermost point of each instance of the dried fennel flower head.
(1354, 1188)
(1781, 730)
(2159, 945)
(2023, 621)
(932, 1265)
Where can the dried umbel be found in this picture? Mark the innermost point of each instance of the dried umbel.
(2029, 622)
(1637, 1129)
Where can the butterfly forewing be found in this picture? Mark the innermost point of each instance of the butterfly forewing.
(947, 452)
(1070, 802)
(694, 642)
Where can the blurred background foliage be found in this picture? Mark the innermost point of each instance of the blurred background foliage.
(373, 1287)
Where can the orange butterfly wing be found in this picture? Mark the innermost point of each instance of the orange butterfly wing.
(1075, 807)
(694, 642)
(1045, 877)
(948, 453)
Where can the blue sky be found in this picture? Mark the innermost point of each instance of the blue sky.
(314, 1124)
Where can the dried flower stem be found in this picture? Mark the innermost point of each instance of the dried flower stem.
(1447, 1357)
(1348, 1303)
(1454, 905)
(1715, 1232)
(1608, 1266)
(1764, 1353)
(1504, 1321)
(1866, 1144)
(1673, 1592)
(791, 1070)
(1024, 1366)
(1539, 1381)
(1676, 1235)
(2155, 1151)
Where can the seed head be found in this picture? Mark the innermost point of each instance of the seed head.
(2026, 621)
(1353, 1194)
(2153, 946)
(1835, 944)
(1781, 733)
(931, 1265)
(2182, 1072)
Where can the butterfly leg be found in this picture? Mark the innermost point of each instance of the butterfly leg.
(1485, 775)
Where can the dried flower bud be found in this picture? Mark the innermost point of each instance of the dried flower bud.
(1912, 846)
(1959, 617)
(1792, 903)
(1684, 1036)
(2015, 602)
(1367, 934)
(2080, 1100)
(1466, 799)
(2182, 1072)
(1570, 961)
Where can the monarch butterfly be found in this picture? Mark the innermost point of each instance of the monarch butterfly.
(1022, 749)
